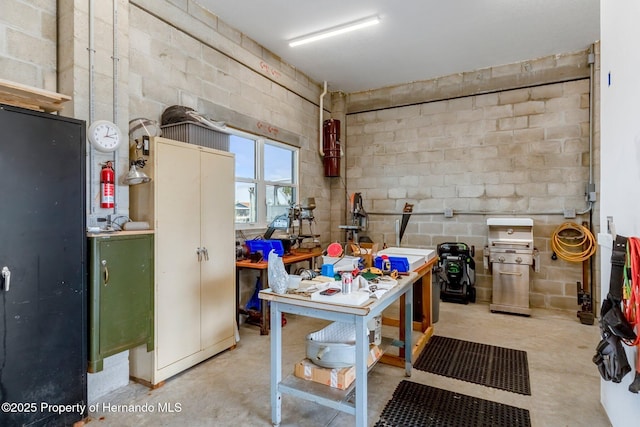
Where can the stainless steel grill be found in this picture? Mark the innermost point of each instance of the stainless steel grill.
(509, 256)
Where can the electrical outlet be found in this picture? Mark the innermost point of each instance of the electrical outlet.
(569, 213)
(591, 193)
(448, 213)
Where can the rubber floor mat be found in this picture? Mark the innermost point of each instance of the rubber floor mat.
(491, 366)
(416, 404)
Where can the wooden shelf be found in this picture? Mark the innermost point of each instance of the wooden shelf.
(30, 97)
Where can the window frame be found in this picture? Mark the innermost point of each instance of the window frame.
(259, 180)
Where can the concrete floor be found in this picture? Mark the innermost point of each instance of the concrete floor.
(232, 389)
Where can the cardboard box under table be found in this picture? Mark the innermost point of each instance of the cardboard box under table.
(340, 378)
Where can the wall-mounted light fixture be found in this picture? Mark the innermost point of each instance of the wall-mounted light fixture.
(334, 31)
(135, 176)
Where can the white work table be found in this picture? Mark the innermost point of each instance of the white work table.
(359, 315)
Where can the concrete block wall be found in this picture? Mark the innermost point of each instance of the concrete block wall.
(115, 374)
(512, 152)
(109, 75)
(32, 24)
(183, 54)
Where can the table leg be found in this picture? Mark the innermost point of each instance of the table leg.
(276, 363)
(408, 327)
(402, 333)
(264, 324)
(426, 283)
(362, 353)
(237, 298)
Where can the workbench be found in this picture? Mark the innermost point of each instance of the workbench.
(262, 267)
(359, 315)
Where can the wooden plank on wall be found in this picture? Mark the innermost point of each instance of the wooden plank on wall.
(33, 98)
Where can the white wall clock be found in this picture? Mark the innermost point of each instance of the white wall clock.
(105, 136)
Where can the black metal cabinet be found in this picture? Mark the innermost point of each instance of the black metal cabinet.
(43, 309)
(120, 294)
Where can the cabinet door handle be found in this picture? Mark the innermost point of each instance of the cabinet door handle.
(106, 272)
(206, 254)
(199, 253)
(6, 275)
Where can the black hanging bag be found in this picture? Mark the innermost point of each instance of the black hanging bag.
(610, 357)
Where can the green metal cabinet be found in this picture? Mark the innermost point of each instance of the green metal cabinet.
(120, 294)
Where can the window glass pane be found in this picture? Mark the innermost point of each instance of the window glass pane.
(245, 151)
(266, 179)
(245, 202)
(278, 164)
(279, 199)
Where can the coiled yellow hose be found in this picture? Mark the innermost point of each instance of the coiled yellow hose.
(573, 242)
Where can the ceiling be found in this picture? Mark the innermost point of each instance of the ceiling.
(416, 39)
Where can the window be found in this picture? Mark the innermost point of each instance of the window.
(266, 179)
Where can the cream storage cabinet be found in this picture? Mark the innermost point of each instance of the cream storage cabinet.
(190, 202)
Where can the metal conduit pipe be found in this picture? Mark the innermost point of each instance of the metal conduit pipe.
(469, 213)
(91, 52)
(591, 185)
(321, 124)
(592, 60)
(115, 60)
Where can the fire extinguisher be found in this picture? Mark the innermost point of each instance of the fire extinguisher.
(331, 147)
(107, 186)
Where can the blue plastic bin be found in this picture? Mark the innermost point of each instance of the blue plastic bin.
(265, 246)
(397, 263)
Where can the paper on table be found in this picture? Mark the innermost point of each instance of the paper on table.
(352, 298)
(378, 294)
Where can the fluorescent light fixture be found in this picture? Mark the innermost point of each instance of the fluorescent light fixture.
(334, 31)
